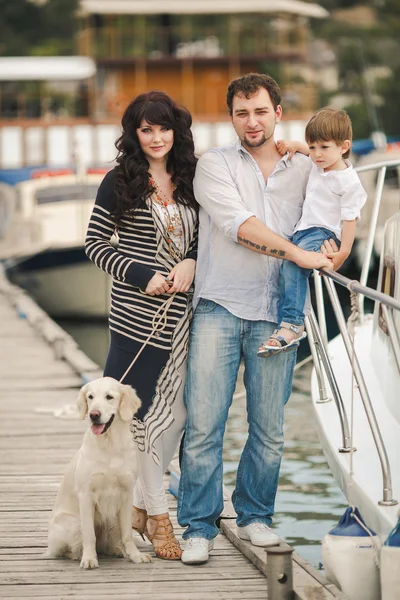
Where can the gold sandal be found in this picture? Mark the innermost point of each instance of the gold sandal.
(160, 532)
(139, 520)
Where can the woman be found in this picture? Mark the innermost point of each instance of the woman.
(148, 201)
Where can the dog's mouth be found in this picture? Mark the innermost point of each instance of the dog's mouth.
(102, 427)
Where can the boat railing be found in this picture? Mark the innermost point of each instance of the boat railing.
(381, 168)
(324, 371)
(316, 329)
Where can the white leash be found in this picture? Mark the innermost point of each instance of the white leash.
(159, 322)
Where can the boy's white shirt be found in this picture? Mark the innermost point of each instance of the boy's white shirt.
(331, 198)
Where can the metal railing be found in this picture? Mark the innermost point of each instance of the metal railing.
(323, 367)
(381, 167)
(317, 337)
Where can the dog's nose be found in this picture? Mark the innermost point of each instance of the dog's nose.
(95, 415)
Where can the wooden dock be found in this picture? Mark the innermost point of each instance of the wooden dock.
(41, 370)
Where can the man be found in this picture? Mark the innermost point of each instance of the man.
(249, 197)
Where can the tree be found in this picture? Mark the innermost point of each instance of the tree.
(27, 28)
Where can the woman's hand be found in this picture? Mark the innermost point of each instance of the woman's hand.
(157, 285)
(182, 276)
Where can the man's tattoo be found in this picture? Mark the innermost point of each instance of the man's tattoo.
(263, 248)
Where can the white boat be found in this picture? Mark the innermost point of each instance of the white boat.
(45, 246)
(355, 388)
(386, 184)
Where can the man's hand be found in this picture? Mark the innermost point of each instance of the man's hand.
(312, 260)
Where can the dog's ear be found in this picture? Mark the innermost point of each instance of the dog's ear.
(81, 402)
(129, 403)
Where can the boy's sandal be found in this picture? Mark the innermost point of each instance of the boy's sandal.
(266, 350)
(283, 345)
(160, 532)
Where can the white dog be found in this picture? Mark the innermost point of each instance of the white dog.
(94, 503)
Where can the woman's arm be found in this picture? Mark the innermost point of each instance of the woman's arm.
(97, 244)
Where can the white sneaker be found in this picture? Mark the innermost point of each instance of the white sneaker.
(259, 534)
(196, 550)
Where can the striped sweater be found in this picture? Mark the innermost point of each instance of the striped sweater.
(141, 251)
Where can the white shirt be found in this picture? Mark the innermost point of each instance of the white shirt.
(230, 188)
(331, 198)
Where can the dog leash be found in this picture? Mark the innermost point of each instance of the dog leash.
(159, 322)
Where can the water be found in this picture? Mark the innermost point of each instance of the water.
(309, 503)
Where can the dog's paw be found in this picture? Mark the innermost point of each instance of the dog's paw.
(89, 563)
(141, 557)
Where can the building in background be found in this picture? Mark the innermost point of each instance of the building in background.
(191, 49)
(57, 111)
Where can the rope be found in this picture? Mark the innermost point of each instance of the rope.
(351, 325)
(159, 322)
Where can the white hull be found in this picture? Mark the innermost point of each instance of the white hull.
(78, 290)
(365, 488)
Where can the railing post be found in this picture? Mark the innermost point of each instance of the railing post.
(280, 573)
(323, 394)
(387, 499)
(319, 296)
(344, 424)
(371, 236)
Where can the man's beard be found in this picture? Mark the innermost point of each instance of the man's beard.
(256, 143)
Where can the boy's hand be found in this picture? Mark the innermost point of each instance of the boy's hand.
(338, 258)
(283, 146)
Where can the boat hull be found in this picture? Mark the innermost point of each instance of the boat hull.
(364, 486)
(64, 283)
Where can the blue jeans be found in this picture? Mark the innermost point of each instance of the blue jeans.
(218, 343)
(293, 280)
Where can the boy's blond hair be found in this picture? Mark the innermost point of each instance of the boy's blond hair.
(329, 125)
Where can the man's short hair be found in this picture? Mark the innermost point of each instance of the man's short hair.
(329, 125)
(249, 85)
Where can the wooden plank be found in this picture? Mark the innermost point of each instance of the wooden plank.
(37, 444)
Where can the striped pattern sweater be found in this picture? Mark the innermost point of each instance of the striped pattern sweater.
(142, 250)
(157, 322)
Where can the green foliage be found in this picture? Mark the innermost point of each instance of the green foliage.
(31, 29)
(358, 114)
(390, 92)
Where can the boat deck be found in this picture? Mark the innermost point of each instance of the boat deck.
(38, 438)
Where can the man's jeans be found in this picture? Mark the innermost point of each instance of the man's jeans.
(218, 342)
(293, 280)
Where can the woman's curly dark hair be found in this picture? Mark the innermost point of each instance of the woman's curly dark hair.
(132, 178)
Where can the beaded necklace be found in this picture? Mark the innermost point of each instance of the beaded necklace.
(173, 221)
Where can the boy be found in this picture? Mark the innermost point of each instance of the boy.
(334, 198)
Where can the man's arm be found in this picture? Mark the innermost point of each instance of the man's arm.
(256, 236)
(216, 192)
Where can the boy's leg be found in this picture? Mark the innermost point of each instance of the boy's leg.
(213, 363)
(296, 279)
